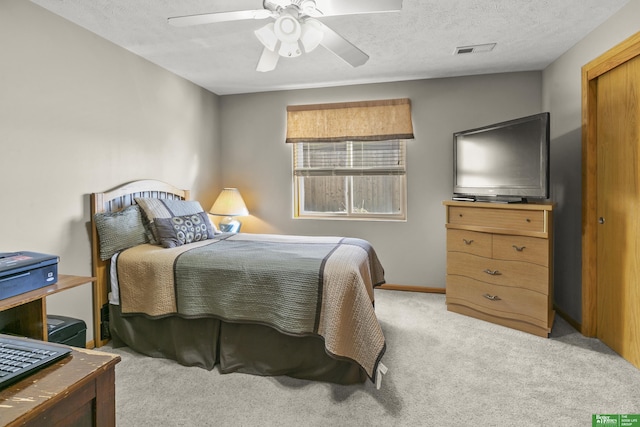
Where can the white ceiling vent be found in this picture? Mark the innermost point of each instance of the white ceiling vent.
(477, 48)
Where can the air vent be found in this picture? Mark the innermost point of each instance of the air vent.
(461, 50)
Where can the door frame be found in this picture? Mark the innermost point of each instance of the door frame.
(619, 54)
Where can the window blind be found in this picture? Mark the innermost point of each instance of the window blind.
(352, 121)
(349, 158)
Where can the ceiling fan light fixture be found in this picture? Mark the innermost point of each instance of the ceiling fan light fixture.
(295, 30)
(311, 35)
(287, 29)
(267, 36)
(289, 50)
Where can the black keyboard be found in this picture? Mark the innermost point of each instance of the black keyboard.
(20, 357)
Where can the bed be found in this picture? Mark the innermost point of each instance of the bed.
(263, 304)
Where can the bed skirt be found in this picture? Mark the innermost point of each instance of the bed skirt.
(247, 348)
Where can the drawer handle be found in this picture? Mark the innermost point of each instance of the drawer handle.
(519, 249)
(493, 272)
(467, 242)
(491, 297)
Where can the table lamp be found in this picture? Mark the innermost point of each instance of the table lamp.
(229, 204)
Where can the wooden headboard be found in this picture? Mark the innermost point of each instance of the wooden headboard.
(113, 201)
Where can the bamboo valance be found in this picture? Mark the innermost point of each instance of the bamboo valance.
(350, 121)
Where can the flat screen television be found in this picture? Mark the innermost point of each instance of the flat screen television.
(503, 162)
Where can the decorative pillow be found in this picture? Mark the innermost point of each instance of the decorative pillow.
(154, 209)
(179, 230)
(120, 230)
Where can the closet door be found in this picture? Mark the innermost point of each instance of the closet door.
(611, 199)
(618, 206)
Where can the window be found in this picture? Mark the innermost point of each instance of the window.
(349, 159)
(354, 179)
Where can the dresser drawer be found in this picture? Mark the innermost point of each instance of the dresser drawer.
(518, 274)
(508, 220)
(521, 248)
(500, 301)
(471, 242)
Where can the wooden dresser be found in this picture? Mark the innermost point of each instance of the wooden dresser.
(500, 263)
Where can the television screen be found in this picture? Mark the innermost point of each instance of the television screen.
(504, 161)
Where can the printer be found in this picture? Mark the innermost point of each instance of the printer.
(22, 272)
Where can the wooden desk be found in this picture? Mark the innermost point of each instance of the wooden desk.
(26, 314)
(78, 390)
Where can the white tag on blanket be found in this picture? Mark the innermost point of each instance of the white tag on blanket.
(379, 373)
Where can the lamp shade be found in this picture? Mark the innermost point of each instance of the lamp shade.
(312, 34)
(267, 36)
(229, 203)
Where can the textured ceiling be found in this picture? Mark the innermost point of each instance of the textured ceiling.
(416, 43)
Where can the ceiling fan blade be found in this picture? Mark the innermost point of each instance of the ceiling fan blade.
(210, 18)
(343, 48)
(268, 61)
(351, 7)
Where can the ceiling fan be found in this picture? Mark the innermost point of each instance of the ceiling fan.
(296, 28)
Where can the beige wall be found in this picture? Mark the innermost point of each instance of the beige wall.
(258, 162)
(562, 97)
(80, 115)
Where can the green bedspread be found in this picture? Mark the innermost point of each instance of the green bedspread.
(297, 285)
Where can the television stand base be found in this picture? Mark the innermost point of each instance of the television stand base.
(502, 199)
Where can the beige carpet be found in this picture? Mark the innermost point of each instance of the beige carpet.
(444, 370)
